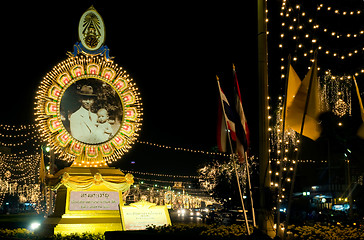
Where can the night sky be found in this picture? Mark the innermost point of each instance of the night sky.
(172, 50)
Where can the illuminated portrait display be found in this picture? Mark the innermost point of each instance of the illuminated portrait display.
(89, 110)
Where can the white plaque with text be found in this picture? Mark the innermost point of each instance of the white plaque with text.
(139, 215)
(94, 200)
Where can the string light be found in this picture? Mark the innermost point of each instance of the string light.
(18, 176)
(299, 161)
(160, 174)
(9, 139)
(294, 19)
(337, 11)
(183, 149)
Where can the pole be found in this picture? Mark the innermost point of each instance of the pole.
(233, 160)
(52, 171)
(300, 143)
(250, 188)
(349, 190)
(264, 214)
(237, 102)
(329, 169)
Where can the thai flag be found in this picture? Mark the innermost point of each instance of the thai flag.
(225, 121)
(242, 130)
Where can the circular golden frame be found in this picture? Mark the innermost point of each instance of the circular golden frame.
(49, 119)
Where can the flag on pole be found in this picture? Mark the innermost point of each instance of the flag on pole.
(226, 119)
(42, 170)
(229, 119)
(242, 130)
(360, 132)
(42, 173)
(243, 137)
(221, 131)
(296, 103)
(294, 83)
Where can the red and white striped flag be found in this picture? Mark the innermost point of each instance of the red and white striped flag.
(225, 121)
(242, 130)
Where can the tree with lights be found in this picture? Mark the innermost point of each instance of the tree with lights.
(219, 179)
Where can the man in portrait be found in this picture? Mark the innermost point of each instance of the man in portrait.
(83, 121)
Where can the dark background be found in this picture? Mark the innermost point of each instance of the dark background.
(172, 50)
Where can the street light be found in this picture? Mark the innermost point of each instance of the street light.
(34, 225)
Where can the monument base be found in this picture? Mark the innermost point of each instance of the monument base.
(66, 226)
(87, 200)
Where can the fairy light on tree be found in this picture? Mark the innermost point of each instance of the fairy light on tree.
(336, 94)
(218, 178)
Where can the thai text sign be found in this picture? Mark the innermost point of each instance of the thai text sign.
(138, 218)
(94, 200)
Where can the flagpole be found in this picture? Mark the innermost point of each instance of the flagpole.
(250, 188)
(245, 153)
(299, 147)
(233, 160)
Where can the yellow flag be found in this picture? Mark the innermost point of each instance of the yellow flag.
(296, 104)
(361, 128)
(42, 170)
(294, 83)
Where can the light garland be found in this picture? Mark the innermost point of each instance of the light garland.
(337, 11)
(19, 170)
(18, 176)
(160, 181)
(160, 174)
(294, 19)
(18, 135)
(23, 168)
(277, 161)
(17, 128)
(20, 153)
(183, 149)
(295, 24)
(32, 138)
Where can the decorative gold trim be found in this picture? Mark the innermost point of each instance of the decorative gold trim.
(49, 119)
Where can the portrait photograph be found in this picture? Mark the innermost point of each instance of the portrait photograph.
(91, 111)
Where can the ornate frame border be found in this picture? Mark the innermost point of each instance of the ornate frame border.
(48, 116)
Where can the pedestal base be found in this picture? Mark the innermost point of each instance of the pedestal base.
(66, 225)
(87, 201)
